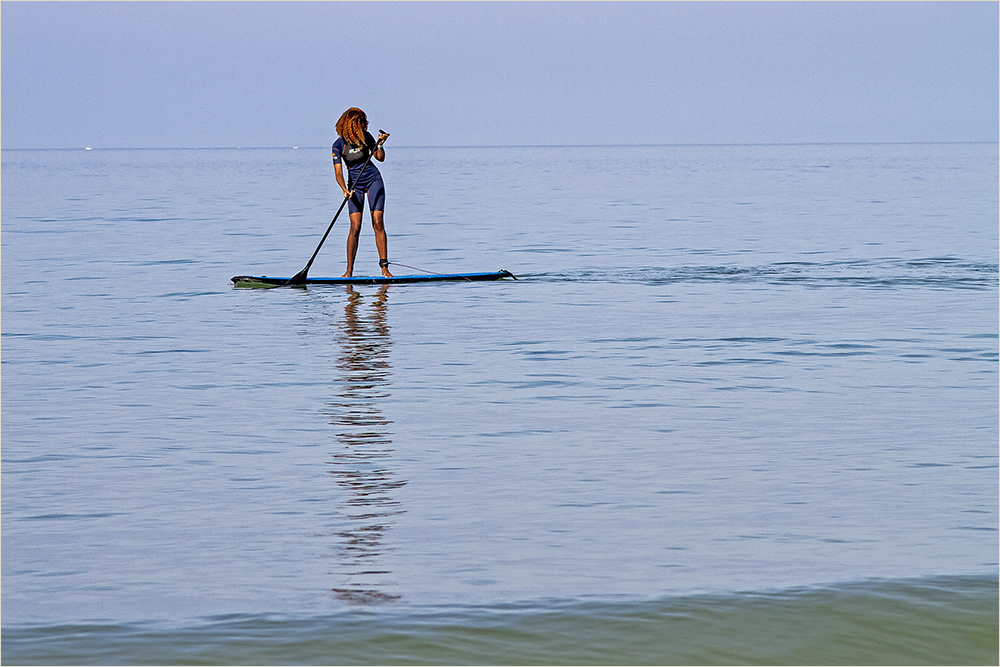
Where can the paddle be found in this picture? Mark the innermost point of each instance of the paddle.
(300, 277)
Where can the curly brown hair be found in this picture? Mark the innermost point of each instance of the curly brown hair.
(352, 126)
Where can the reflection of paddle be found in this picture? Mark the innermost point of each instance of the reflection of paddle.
(300, 277)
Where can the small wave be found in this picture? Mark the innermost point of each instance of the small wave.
(944, 620)
(935, 273)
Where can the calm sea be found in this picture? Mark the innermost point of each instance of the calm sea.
(741, 406)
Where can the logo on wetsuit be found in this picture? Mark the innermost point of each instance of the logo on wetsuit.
(354, 153)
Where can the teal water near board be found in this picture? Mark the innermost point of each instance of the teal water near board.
(741, 406)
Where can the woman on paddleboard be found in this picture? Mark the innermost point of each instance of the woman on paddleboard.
(354, 145)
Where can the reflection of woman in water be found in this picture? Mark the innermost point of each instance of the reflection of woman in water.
(362, 463)
(354, 145)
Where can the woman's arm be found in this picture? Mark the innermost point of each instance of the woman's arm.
(338, 171)
(379, 153)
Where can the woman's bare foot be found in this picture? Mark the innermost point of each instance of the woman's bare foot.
(348, 274)
(385, 272)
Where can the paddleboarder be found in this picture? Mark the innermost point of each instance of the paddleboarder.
(353, 147)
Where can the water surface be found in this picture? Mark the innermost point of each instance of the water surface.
(727, 376)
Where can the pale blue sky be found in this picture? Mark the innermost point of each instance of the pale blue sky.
(219, 74)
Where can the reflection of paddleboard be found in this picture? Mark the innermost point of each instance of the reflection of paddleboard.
(265, 281)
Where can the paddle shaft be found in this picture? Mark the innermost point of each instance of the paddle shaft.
(300, 277)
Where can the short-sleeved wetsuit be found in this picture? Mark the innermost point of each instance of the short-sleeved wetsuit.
(369, 180)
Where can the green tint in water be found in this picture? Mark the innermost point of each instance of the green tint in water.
(938, 621)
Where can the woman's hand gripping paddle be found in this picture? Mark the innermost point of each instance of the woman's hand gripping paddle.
(300, 277)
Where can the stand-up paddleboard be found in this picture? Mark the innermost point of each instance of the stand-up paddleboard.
(266, 281)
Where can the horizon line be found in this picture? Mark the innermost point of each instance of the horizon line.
(678, 145)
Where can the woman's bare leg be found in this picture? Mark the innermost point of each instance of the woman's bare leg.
(381, 240)
(352, 243)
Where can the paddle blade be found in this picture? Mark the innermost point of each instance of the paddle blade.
(299, 278)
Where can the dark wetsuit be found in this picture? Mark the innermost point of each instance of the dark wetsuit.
(370, 180)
